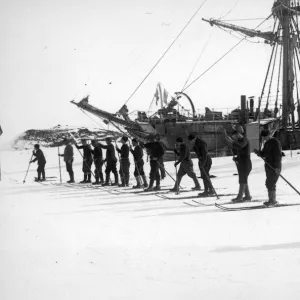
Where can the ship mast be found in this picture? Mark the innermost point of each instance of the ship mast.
(283, 13)
(286, 35)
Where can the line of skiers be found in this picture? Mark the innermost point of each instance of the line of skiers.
(271, 153)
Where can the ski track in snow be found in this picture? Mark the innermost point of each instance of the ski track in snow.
(61, 242)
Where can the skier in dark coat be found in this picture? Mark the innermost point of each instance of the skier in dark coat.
(156, 151)
(241, 151)
(124, 162)
(98, 162)
(139, 173)
(68, 156)
(272, 155)
(186, 165)
(40, 158)
(111, 161)
(87, 161)
(161, 159)
(204, 163)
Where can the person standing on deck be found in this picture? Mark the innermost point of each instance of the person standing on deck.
(124, 162)
(156, 151)
(204, 162)
(241, 156)
(40, 158)
(111, 161)
(139, 173)
(68, 156)
(186, 165)
(87, 161)
(272, 155)
(98, 162)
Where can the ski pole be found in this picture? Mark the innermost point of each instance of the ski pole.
(27, 169)
(168, 173)
(208, 178)
(59, 164)
(82, 155)
(177, 185)
(282, 177)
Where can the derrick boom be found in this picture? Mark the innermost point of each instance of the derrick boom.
(268, 36)
(104, 115)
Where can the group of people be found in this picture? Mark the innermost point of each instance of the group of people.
(271, 153)
(155, 149)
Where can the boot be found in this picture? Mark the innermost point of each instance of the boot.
(239, 197)
(127, 180)
(197, 184)
(116, 179)
(206, 193)
(89, 176)
(106, 180)
(177, 184)
(157, 187)
(71, 178)
(145, 183)
(101, 178)
(138, 183)
(84, 179)
(123, 181)
(150, 188)
(247, 194)
(44, 176)
(39, 177)
(272, 199)
(96, 182)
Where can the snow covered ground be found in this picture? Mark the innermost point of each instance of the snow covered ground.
(64, 243)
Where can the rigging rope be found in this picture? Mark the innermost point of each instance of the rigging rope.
(177, 37)
(234, 5)
(278, 80)
(197, 61)
(268, 70)
(223, 56)
(270, 85)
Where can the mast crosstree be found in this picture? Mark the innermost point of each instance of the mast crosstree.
(286, 35)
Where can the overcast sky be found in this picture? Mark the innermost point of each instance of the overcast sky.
(56, 51)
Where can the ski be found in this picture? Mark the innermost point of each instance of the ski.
(195, 196)
(262, 206)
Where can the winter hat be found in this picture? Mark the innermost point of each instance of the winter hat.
(37, 146)
(191, 137)
(179, 140)
(265, 132)
(108, 138)
(134, 140)
(124, 138)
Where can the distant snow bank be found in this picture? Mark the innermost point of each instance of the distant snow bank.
(54, 137)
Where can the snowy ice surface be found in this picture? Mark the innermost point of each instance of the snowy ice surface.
(64, 243)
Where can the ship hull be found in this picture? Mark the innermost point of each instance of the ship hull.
(212, 132)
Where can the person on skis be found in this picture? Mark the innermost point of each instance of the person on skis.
(40, 158)
(156, 151)
(111, 161)
(139, 173)
(161, 159)
(204, 163)
(87, 160)
(241, 156)
(272, 155)
(98, 162)
(186, 165)
(124, 162)
(68, 156)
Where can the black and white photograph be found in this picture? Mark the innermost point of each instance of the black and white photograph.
(150, 150)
